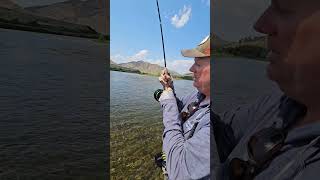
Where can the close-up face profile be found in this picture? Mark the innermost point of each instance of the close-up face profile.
(291, 28)
(201, 74)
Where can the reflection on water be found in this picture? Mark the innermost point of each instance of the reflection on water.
(52, 106)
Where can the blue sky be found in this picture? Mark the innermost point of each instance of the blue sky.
(135, 30)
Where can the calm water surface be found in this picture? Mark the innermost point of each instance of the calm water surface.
(52, 107)
(131, 98)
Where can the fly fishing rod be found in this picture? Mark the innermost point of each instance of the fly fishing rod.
(164, 53)
(158, 92)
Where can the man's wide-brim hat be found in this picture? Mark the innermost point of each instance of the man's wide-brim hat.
(202, 50)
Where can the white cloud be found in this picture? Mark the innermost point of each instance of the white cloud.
(140, 56)
(158, 61)
(118, 58)
(181, 19)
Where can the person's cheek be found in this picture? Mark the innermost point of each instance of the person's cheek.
(206, 73)
(304, 54)
(305, 46)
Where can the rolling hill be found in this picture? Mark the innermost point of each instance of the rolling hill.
(141, 67)
(9, 4)
(115, 67)
(23, 20)
(147, 68)
(94, 13)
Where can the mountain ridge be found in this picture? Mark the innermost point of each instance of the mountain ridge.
(147, 68)
(139, 68)
(93, 13)
(9, 4)
(23, 20)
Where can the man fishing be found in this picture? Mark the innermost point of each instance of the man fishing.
(186, 135)
(277, 137)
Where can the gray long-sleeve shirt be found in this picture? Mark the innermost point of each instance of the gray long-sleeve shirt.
(187, 158)
(299, 158)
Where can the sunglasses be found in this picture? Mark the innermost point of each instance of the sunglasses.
(191, 109)
(266, 144)
(263, 146)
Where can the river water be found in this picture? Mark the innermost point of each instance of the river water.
(52, 107)
(131, 98)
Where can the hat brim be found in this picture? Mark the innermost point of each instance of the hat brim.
(193, 53)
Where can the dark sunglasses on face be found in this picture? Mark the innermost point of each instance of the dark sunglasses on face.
(263, 146)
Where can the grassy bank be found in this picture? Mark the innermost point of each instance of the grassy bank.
(132, 147)
(258, 54)
(247, 47)
(122, 69)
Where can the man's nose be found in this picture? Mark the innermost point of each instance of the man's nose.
(265, 24)
(192, 68)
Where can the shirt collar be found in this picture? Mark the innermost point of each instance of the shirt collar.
(201, 98)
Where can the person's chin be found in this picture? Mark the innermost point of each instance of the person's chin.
(195, 83)
(274, 73)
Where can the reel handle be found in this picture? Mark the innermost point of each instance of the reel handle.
(157, 94)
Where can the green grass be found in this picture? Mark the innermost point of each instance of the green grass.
(122, 69)
(132, 150)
